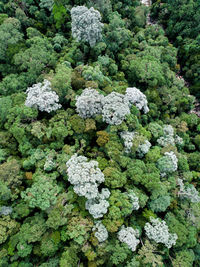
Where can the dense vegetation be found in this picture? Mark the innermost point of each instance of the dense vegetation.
(99, 149)
(181, 22)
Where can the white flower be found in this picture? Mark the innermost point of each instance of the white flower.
(86, 24)
(159, 232)
(84, 175)
(136, 97)
(129, 236)
(128, 140)
(89, 103)
(42, 97)
(188, 192)
(98, 206)
(168, 163)
(115, 108)
(101, 231)
(143, 148)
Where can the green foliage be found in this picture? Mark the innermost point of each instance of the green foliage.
(90, 73)
(57, 216)
(77, 124)
(48, 224)
(114, 178)
(184, 32)
(118, 252)
(78, 229)
(10, 35)
(50, 243)
(36, 58)
(147, 255)
(24, 249)
(5, 104)
(153, 154)
(7, 228)
(160, 204)
(69, 258)
(117, 36)
(11, 177)
(59, 13)
(186, 234)
(60, 81)
(184, 258)
(42, 194)
(32, 229)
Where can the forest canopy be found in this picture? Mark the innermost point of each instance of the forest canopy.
(99, 133)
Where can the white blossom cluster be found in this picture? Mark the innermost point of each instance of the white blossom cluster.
(4, 210)
(86, 24)
(188, 192)
(86, 177)
(101, 232)
(129, 236)
(115, 108)
(159, 232)
(42, 97)
(89, 103)
(168, 130)
(50, 163)
(128, 140)
(168, 163)
(178, 140)
(98, 206)
(136, 97)
(143, 148)
(134, 200)
(169, 138)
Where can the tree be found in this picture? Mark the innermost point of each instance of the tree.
(69, 257)
(7, 228)
(147, 255)
(10, 35)
(42, 97)
(129, 236)
(117, 37)
(115, 108)
(37, 57)
(86, 25)
(60, 80)
(89, 103)
(159, 232)
(42, 194)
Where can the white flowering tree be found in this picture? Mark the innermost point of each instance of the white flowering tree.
(143, 148)
(86, 24)
(159, 232)
(136, 97)
(134, 199)
(101, 232)
(89, 103)
(85, 176)
(169, 138)
(98, 206)
(189, 192)
(42, 97)
(115, 108)
(129, 236)
(128, 138)
(168, 163)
